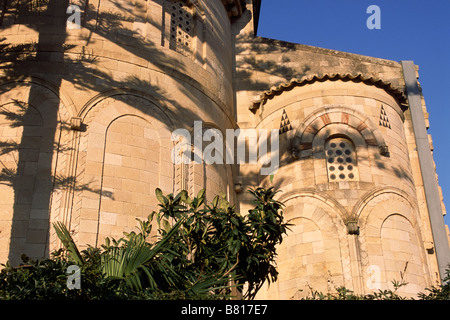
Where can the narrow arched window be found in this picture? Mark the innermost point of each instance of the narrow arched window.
(341, 160)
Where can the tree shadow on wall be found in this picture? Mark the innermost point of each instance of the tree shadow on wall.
(255, 63)
(33, 148)
(262, 63)
(29, 150)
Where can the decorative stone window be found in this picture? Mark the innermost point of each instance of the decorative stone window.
(341, 160)
(181, 26)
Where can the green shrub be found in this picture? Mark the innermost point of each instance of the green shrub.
(203, 251)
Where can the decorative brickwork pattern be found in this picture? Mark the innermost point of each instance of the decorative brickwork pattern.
(285, 124)
(384, 120)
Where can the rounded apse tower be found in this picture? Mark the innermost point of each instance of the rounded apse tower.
(90, 92)
(348, 187)
(349, 171)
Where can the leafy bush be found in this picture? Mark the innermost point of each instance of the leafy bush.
(441, 292)
(343, 293)
(35, 280)
(203, 252)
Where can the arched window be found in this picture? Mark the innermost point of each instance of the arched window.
(341, 160)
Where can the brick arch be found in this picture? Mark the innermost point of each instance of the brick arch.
(320, 196)
(131, 172)
(403, 254)
(329, 115)
(114, 180)
(37, 121)
(322, 247)
(390, 237)
(214, 177)
(162, 108)
(369, 197)
(339, 130)
(19, 90)
(301, 261)
(45, 97)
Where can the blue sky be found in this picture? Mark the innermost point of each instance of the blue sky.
(415, 30)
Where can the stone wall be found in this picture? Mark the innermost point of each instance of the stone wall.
(358, 210)
(87, 116)
(88, 113)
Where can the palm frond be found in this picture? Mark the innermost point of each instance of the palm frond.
(213, 283)
(67, 240)
(129, 263)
